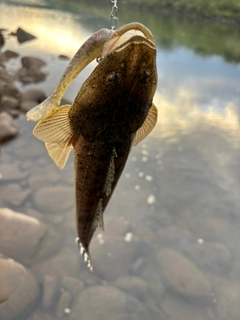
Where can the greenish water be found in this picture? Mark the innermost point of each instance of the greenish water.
(180, 188)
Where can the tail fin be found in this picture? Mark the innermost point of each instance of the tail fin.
(85, 253)
(43, 110)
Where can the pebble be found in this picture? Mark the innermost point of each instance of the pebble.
(228, 306)
(33, 94)
(215, 257)
(178, 309)
(30, 71)
(54, 199)
(8, 128)
(64, 263)
(134, 286)
(15, 231)
(183, 277)
(8, 89)
(50, 291)
(12, 172)
(19, 290)
(23, 35)
(106, 303)
(73, 285)
(9, 103)
(8, 190)
(7, 55)
(64, 303)
(113, 257)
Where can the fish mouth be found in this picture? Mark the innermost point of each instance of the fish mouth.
(119, 43)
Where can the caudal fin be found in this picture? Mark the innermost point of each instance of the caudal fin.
(85, 253)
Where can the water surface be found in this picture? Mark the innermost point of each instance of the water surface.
(170, 249)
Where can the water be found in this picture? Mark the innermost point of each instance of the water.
(170, 249)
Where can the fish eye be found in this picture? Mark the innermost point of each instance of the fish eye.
(113, 78)
(145, 76)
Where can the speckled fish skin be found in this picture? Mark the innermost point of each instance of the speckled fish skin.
(112, 112)
(110, 107)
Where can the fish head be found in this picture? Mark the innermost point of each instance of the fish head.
(120, 90)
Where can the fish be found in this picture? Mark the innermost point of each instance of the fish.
(112, 112)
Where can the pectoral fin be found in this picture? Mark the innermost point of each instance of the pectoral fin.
(147, 126)
(58, 153)
(57, 134)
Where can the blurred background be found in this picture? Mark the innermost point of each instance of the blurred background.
(170, 250)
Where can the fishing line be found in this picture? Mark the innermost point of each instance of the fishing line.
(113, 15)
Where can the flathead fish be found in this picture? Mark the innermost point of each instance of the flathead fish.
(112, 112)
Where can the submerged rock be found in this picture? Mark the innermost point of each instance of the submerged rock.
(106, 303)
(19, 290)
(30, 71)
(183, 277)
(8, 128)
(15, 231)
(31, 97)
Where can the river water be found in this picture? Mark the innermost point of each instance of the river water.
(170, 249)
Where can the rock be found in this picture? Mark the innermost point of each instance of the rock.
(24, 36)
(7, 102)
(2, 40)
(64, 303)
(134, 286)
(106, 303)
(8, 190)
(31, 97)
(33, 94)
(50, 291)
(8, 128)
(176, 308)
(116, 226)
(215, 257)
(19, 290)
(11, 172)
(15, 231)
(113, 256)
(32, 62)
(214, 229)
(183, 277)
(27, 105)
(7, 55)
(73, 285)
(65, 263)
(40, 315)
(54, 199)
(228, 306)
(30, 71)
(63, 57)
(8, 89)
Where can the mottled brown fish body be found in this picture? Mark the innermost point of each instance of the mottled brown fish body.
(106, 113)
(112, 111)
(91, 161)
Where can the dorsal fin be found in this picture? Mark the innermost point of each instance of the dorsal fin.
(57, 134)
(147, 126)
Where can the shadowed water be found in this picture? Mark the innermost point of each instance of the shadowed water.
(170, 249)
